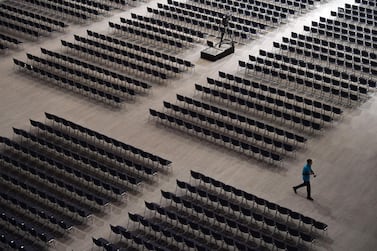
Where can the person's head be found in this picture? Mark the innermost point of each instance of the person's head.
(309, 162)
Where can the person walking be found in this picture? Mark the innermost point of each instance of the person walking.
(306, 172)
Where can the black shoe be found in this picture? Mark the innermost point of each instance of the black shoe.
(310, 198)
(294, 189)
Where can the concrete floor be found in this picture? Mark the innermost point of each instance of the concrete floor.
(345, 156)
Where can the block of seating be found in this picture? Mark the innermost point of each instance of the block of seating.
(361, 65)
(169, 25)
(218, 137)
(333, 57)
(105, 58)
(131, 82)
(252, 13)
(278, 92)
(90, 80)
(168, 69)
(34, 172)
(342, 34)
(312, 69)
(19, 29)
(236, 19)
(187, 40)
(257, 224)
(203, 22)
(274, 101)
(99, 138)
(263, 110)
(250, 134)
(92, 166)
(27, 226)
(213, 222)
(9, 40)
(119, 43)
(238, 30)
(42, 28)
(149, 36)
(17, 241)
(70, 84)
(58, 24)
(34, 207)
(243, 197)
(67, 169)
(324, 91)
(81, 207)
(249, 122)
(141, 169)
(318, 75)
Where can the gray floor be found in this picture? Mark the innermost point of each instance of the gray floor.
(345, 156)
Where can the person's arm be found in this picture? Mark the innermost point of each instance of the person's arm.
(313, 172)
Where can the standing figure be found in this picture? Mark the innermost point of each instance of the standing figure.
(306, 172)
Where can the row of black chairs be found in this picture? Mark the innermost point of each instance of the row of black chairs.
(186, 40)
(345, 25)
(215, 17)
(44, 192)
(132, 82)
(51, 21)
(364, 35)
(8, 39)
(96, 4)
(168, 25)
(231, 142)
(26, 225)
(82, 158)
(248, 135)
(157, 65)
(70, 84)
(16, 241)
(148, 36)
(229, 212)
(339, 36)
(250, 122)
(256, 14)
(145, 50)
(195, 23)
(106, 58)
(346, 48)
(274, 101)
(78, 7)
(103, 185)
(103, 139)
(365, 2)
(54, 179)
(355, 18)
(361, 11)
(267, 14)
(42, 28)
(314, 71)
(240, 196)
(58, 8)
(102, 151)
(333, 57)
(20, 29)
(265, 110)
(334, 94)
(97, 83)
(136, 239)
(278, 92)
(235, 28)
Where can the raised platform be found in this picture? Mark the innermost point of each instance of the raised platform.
(215, 53)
